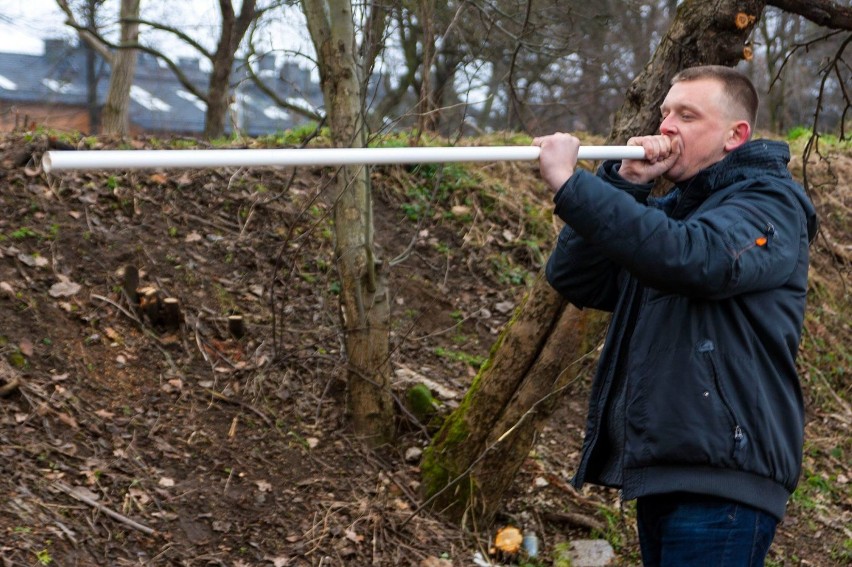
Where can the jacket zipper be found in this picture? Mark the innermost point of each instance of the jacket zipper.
(582, 467)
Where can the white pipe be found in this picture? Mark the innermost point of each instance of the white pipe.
(139, 159)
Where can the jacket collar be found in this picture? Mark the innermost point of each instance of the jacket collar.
(756, 158)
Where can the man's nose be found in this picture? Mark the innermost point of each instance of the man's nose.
(667, 127)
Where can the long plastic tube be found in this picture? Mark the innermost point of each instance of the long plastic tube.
(161, 159)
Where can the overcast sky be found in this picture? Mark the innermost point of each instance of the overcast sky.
(23, 22)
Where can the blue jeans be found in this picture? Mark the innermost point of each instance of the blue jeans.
(691, 530)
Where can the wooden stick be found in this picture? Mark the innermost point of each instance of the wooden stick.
(131, 283)
(109, 512)
(9, 387)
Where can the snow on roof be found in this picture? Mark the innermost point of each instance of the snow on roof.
(189, 97)
(8, 84)
(148, 100)
(276, 113)
(60, 87)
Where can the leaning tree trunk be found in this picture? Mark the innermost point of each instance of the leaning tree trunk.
(117, 107)
(481, 446)
(365, 309)
(474, 457)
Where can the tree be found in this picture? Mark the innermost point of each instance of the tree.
(479, 449)
(92, 75)
(115, 113)
(234, 28)
(427, 42)
(559, 64)
(122, 64)
(813, 55)
(232, 31)
(364, 301)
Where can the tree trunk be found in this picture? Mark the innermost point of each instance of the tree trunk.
(364, 304)
(116, 109)
(92, 89)
(451, 118)
(234, 28)
(426, 107)
(474, 457)
(218, 95)
(92, 78)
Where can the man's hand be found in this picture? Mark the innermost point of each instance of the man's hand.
(558, 158)
(661, 152)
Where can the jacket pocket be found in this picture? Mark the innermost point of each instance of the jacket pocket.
(739, 440)
(679, 411)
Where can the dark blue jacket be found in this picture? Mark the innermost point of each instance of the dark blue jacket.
(707, 288)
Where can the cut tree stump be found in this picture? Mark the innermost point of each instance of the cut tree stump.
(236, 326)
(151, 305)
(172, 315)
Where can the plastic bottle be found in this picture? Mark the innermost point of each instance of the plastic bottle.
(530, 544)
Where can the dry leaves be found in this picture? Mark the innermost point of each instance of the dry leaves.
(64, 288)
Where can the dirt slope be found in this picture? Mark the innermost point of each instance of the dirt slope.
(122, 443)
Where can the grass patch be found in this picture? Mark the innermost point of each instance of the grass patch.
(473, 360)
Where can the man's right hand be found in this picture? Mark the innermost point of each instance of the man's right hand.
(661, 152)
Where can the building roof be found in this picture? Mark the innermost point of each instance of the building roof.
(158, 101)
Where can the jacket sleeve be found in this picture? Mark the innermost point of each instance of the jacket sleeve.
(581, 271)
(748, 242)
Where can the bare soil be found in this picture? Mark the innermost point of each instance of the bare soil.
(122, 443)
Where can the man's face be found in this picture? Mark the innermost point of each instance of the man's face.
(696, 118)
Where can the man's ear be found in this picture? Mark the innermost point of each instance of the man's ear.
(738, 135)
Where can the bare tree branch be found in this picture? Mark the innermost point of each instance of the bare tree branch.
(181, 76)
(821, 12)
(90, 37)
(313, 115)
(516, 100)
(799, 47)
(179, 34)
(374, 34)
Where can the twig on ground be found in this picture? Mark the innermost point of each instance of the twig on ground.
(242, 404)
(9, 387)
(126, 313)
(145, 330)
(108, 511)
(574, 519)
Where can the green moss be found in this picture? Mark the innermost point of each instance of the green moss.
(436, 478)
(17, 359)
(437, 469)
(421, 403)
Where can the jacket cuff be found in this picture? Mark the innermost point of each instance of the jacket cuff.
(608, 171)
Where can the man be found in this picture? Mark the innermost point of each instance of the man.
(696, 409)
